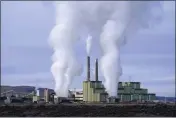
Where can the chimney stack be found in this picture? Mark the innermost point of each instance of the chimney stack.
(88, 68)
(46, 95)
(96, 70)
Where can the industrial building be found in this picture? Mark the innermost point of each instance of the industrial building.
(94, 91)
(129, 91)
(43, 94)
(77, 94)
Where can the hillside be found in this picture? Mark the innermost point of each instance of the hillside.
(170, 99)
(21, 89)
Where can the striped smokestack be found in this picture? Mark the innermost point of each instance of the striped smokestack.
(96, 70)
(88, 68)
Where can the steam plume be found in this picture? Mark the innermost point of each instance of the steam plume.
(63, 38)
(113, 21)
(88, 44)
(125, 20)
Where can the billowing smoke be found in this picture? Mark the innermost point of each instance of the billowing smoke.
(63, 38)
(88, 44)
(112, 22)
(126, 19)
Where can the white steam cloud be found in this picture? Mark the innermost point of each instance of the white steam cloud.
(125, 20)
(88, 44)
(112, 21)
(63, 38)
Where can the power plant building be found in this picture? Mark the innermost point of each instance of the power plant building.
(128, 91)
(94, 91)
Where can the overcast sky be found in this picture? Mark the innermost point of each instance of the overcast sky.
(148, 57)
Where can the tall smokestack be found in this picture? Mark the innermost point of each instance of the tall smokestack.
(88, 68)
(96, 70)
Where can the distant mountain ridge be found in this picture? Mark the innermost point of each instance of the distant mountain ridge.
(170, 99)
(20, 89)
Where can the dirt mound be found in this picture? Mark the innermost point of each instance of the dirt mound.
(87, 110)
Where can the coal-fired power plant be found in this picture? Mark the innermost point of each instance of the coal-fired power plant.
(110, 24)
(93, 90)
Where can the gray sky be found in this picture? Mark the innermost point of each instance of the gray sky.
(148, 57)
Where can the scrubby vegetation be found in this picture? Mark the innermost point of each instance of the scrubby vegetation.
(88, 110)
